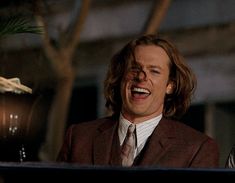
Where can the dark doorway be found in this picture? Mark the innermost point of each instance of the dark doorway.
(83, 105)
(195, 117)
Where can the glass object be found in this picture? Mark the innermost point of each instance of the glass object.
(15, 106)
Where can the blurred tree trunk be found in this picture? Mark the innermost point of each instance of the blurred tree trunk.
(61, 58)
(157, 15)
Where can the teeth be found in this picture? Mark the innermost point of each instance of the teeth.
(142, 90)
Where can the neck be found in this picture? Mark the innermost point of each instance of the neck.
(138, 119)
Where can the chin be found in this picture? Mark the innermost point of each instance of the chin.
(138, 112)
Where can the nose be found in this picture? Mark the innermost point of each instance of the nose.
(141, 75)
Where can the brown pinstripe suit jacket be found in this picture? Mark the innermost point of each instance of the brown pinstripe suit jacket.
(172, 144)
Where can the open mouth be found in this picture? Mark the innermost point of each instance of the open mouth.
(138, 92)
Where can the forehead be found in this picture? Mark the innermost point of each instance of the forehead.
(151, 55)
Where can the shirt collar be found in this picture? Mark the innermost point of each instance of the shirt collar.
(143, 129)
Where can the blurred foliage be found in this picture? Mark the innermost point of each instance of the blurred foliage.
(16, 25)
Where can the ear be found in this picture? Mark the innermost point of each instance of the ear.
(170, 88)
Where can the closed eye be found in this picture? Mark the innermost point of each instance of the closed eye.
(155, 71)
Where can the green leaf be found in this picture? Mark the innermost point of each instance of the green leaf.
(16, 25)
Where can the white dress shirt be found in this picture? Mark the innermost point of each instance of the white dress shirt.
(143, 131)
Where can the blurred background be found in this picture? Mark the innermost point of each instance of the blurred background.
(65, 62)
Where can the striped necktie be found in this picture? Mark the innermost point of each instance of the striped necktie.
(128, 147)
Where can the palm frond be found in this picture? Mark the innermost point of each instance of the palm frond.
(16, 25)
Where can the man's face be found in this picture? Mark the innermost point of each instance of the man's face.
(143, 94)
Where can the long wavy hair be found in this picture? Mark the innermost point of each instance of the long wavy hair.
(182, 77)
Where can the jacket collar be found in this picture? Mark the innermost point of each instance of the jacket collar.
(159, 143)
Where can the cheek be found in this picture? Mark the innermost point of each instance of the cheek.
(130, 76)
(123, 87)
(160, 85)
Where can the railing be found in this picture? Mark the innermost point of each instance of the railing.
(65, 172)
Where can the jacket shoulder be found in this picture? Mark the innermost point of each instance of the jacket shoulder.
(185, 132)
(92, 125)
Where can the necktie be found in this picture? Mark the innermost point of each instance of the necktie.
(128, 147)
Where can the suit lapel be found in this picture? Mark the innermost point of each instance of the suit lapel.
(103, 142)
(158, 144)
